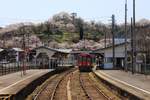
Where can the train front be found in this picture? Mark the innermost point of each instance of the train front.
(85, 62)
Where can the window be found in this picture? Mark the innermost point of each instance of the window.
(109, 60)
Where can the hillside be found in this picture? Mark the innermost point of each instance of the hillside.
(64, 30)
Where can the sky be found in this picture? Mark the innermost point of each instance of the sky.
(15, 11)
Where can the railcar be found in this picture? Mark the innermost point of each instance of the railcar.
(85, 62)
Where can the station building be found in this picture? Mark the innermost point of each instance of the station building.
(49, 57)
(105, 58)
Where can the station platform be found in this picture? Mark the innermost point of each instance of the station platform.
(11, 84)
(136, 84)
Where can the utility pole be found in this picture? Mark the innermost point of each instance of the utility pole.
(126, 68)
(113, 39)
(24, 55)
(3, 40)
(73, 16)
(28, 39)
(132, 45)
(36, 44)
(24, 48)
(105, 37)
(28, 46)
(134, 39)
(105, 44)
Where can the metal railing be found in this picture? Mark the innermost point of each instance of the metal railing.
(7, 68)
(11, 67)
(140, 68)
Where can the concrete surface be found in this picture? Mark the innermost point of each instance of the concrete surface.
(12, 83)
(136, 84)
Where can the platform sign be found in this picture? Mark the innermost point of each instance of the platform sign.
(140, 58)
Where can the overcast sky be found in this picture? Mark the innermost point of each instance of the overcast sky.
(13, 11)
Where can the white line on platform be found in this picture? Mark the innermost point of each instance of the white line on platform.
(18, 82)
(126, 83)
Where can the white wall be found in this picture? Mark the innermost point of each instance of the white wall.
(119, 51)
(108, 53)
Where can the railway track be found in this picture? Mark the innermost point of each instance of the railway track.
(60, 92)
(69, 85)
(48, 90)
(77, 92)
(91, 90)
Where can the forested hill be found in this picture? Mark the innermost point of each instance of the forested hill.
(61, 28)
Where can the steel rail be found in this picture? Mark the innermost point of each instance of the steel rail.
(94, 86)
(82, 85)
(99, 91)
(42, 88)
(56, 86)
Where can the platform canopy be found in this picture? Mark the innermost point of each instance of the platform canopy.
(18, 49)
(51, 52)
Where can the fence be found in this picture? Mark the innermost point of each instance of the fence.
(140, 68)
(7, 68)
